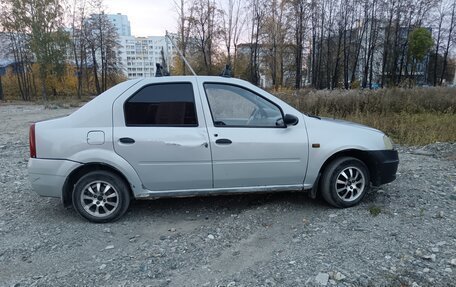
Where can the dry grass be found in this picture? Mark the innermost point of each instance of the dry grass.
(409, 116)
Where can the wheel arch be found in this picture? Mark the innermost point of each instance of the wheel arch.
(361, 155)
(77, 173)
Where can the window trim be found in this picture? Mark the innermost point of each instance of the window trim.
(241, 126)
(162, 125)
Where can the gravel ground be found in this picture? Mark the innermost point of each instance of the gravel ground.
(403, 234)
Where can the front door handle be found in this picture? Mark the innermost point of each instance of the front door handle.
(223, 141)
(127, 140)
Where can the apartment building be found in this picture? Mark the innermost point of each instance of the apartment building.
(139, 55)
(121, 23)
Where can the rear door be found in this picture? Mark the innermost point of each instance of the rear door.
(160, 130)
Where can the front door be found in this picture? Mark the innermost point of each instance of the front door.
(162, 134)
(250, 144)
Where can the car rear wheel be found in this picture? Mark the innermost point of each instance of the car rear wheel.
(101, 196)
(345, 181)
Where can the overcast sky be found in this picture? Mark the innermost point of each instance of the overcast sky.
(147, 17)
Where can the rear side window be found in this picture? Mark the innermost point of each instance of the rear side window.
(170, 104)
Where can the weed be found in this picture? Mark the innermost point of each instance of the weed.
(422, 211)
(375, 210)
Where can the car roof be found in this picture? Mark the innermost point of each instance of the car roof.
(218, 79)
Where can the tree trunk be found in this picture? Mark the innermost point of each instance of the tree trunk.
(385, 47)
(367, 61)
(358, 50)
(335, 79)
(312, 64)
(78, 71)
(95, 71)
(299, 48)
(281, 68)
(450, 33)
(437, 46)
(183, 38)
(328, 50)
(1, 89)
(404, 52)
(393, 67)
(43, 87)
(318, 85)
(347, 49)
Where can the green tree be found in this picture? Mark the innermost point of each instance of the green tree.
(420, 42)
(16, 39)
(48, 39)
(39, 23)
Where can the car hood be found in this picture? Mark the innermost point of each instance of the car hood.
(348, 124)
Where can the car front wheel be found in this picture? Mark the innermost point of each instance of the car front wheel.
(345, 181)
(101, 196)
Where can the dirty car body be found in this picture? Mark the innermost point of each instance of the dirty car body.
(198, 135)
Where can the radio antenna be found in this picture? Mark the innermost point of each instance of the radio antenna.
(180, 53)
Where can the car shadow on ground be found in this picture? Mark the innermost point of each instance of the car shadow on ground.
(229, 203)
(183, 207)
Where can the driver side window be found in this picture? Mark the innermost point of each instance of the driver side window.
(233, 106)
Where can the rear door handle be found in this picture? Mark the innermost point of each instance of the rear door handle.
(223, 141)
(127, 140)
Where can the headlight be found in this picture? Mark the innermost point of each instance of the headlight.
(388, 142)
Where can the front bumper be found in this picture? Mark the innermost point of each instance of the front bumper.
(383, 167)
(47, 176)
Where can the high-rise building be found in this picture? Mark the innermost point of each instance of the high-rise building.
(139, 55)
(121, 23)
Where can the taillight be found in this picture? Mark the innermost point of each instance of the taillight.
(32, 141)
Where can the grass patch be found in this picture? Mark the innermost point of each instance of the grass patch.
(412, 129)
(422, 210)
(409, 116)
(375, 210)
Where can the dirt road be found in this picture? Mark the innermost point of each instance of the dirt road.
(403, 233)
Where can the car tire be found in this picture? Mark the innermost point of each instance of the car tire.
(101, 196)
(344, 182)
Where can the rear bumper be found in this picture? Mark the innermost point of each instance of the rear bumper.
(47, 176)
(385, 163)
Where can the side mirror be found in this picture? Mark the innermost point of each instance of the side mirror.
(290, 120)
